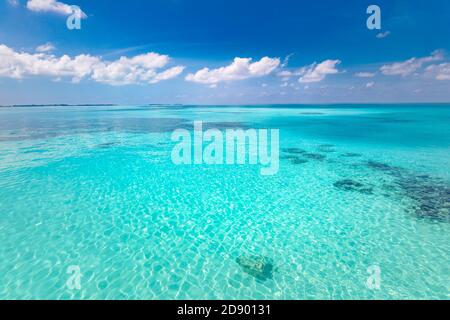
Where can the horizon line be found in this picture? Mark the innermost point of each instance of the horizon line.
(221, 104)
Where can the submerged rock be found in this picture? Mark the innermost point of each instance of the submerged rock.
(107, 145)
(298, 161)
(326, 145)
(352, 185)
(289, 157)
(294, 150)
(294, 159)
(352, 155)
(379, 166)
(314, 156)
(226, 125)
(326, 148)
(415, 186)
(259, 267)
(432, 199)
(312, 113)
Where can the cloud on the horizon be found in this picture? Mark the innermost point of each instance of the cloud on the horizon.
(54, 7)
(240, 69)
(139, 69)
(439, 71)
(383, 35)
(14, 3)
(365, 74)
(47, 47)
(168, 74)
(315, 72)
(286, 60)
(318, 72)
(410, 66)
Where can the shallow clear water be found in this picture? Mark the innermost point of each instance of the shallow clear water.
(95, 187)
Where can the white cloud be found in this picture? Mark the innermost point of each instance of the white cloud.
(17, 65)
(365, 74)
(439, 71)
(286, 75)
(313, 73)
(45, 47)
(286, 60)
(136, 70)
(318, 72)
(168, 74)
(14, 3)
(410, 66)
(383, 35)
(240, 69)
(52, 6)
(370, 84)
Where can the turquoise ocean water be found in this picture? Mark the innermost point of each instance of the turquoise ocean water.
(95, 187)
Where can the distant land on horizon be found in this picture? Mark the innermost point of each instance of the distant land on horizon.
(58, 105)
(215, 105)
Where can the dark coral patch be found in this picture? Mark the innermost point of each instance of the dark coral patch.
(226, 125)
(432, 199)
(294, 150)
(299, 161)
(294, 159)
(352, 155)
(314, 156)
(352, 185)
(259, 267)
(431, 196)
(311, 113)
(379, 166)
(107, 145)
(326, 148)
(289, 157)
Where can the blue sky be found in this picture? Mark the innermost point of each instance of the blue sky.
(136, 52)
